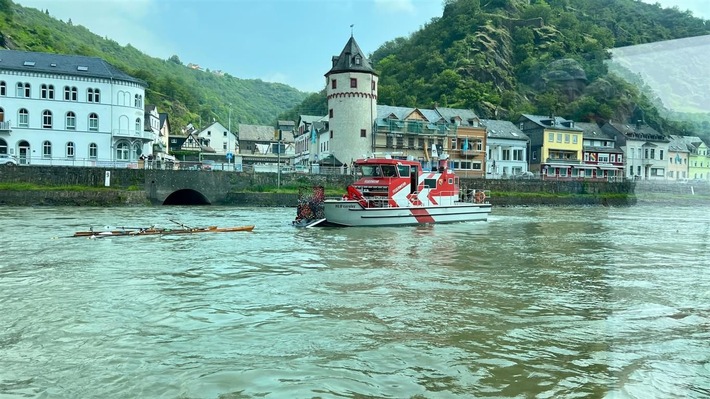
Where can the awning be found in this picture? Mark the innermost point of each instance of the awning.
(609, 167)
(585, 166)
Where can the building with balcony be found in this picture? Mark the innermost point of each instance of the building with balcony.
(602, 159)
(70, 110)
(555, 146)
(645, 149)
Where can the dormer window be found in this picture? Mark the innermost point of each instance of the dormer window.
(358, 60)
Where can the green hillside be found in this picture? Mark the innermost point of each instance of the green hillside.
(502, 58)
(187, 95)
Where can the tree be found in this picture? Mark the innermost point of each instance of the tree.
(175, 59)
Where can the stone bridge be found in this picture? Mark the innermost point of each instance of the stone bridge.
(187, 187)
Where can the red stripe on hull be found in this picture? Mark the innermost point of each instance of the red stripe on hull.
(422, 215)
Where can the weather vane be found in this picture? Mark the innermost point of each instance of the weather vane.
(351, 29)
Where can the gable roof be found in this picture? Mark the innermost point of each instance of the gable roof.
(348, 59)
(465, 115)
(592, 131)
(73, 65)
(503, 130)
(256, 133)
(555, 122)
(638, 131)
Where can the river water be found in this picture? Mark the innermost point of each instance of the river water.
(569, 302)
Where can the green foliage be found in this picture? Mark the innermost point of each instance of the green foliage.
(502, 58)
(187, 95)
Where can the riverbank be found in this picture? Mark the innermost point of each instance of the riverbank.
(128, 198)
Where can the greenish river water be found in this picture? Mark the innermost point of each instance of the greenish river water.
(570, 302)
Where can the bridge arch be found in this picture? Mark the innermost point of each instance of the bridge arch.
(186, 196)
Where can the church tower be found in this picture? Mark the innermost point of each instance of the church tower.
(352, 104)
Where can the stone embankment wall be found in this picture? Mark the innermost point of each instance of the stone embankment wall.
(128, 187)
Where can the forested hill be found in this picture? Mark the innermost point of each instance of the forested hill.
(502, 58)
(187, 95)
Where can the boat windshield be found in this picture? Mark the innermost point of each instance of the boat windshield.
(379, 170)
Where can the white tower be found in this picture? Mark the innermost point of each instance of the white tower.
(352, 104)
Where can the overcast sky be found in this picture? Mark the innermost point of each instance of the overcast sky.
(286, 41)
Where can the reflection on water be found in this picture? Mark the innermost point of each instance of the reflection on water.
(536, 302)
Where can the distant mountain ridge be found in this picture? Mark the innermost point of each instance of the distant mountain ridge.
(188, 95)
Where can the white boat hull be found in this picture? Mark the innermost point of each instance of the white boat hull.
(350, 213)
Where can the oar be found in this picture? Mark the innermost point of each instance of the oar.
(181, 224)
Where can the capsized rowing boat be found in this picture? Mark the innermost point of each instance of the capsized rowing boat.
(159, 231)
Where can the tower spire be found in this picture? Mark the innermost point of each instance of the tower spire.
(351, 29)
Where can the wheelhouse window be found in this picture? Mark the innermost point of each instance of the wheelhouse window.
(70, 150)
(23, 118)
(47, 92)
(93, 122)
(93, 151)
(71, 121)
(47, 119)
(46, 149)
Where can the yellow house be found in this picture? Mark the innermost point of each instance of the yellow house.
(556, 146)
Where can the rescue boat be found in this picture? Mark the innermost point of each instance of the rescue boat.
(396, 192)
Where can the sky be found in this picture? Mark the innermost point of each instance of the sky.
(285, 41)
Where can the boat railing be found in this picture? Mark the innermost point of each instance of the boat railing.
(474, 196)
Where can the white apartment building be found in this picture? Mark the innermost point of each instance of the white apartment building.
(70, 110)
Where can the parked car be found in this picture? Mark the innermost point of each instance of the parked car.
(207, 164)
(524, 175)
(8, 160)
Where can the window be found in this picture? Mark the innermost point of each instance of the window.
(506, 155)
(330, 113)
(331, 134)
(46, 149)
(122, 151)
(660, 154)
(3, 88)
(138, 125)
(23, 118)
(23, 90)
(224, 134)
(93, 96)
(71, 121)
(138, 101)
(353, 83)
(71, 93)
(559, 137)
(551, 137)
(575, 139)
(93, 122)
(373, 85)
(567, 138)
(358, 60)
(333, 84)
(363, 133)
(47, 119)
(603, 158)
(47, 92)
(70, 150)
(93, 151)
(518, 155)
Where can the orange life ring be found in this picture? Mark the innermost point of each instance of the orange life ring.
(480, 196)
